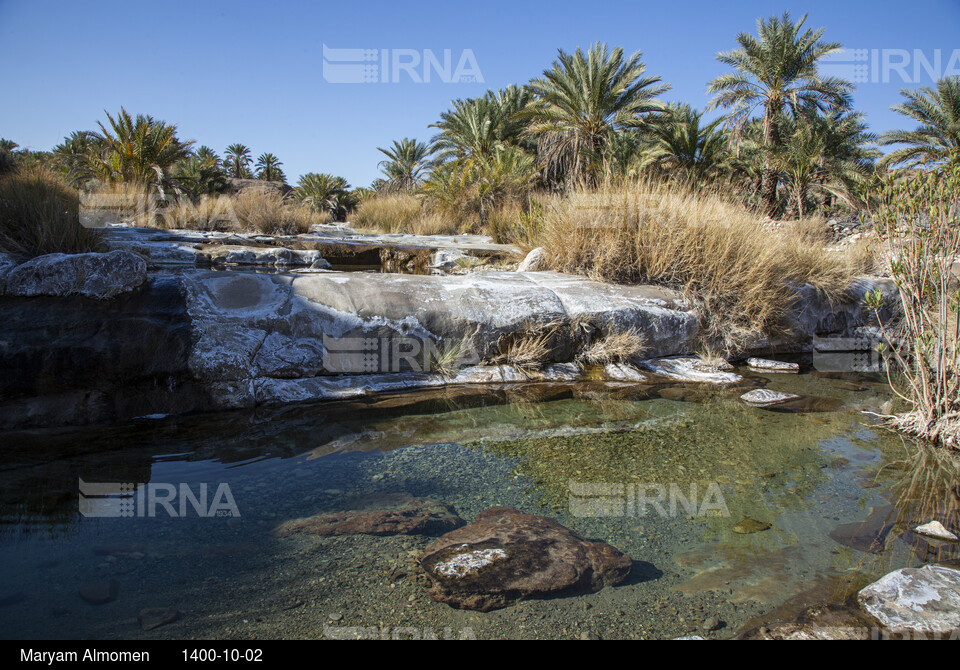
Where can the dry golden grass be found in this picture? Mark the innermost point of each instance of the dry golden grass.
(739, 271)
(402, 213)
(267, 212)
(251, 211)
(388, 213)
(620, 347)
(531, 347)
(39, 214)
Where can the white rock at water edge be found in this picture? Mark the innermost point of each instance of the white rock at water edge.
(937, 530)
(767, 365)
(922, 601)
(92, 275)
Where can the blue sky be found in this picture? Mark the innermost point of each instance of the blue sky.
(252, 72)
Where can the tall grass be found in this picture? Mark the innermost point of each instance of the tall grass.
(267, 212)
(39, 214)
(253, 210)
(403, 213)
(739, 272)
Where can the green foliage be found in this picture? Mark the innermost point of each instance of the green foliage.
(936, 140)
(325, 193)
(681, 146)
(136, 149)
(581, 102)
(919, 224)
(480, 127)
(201, 173)
(237, 161)
(268, 168)
(407, 164)
(825, 154)
(776, 72)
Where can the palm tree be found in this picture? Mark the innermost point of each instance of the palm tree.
(479, 127)
(237, 161)
(73, 156)
(827, 154)
(936, 140)
(325, 193)
(777, 71)
(680, 143)
(202, 173)
(407, 163)
(268, 168)
(584, 99)
(7, 161)
(208, 155)
(139, 149)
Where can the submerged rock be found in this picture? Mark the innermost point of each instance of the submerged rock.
(154, 617)
(869, 536)
(767, 398)
(936, 530)
(767, 365)
(100, 593)
(93, 275)
(823, 622)
(378, 514)
(505, 556)
(915, 600)
(748, 526)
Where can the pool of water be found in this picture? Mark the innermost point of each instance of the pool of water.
(839, 494)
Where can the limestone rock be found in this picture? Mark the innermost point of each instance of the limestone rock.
(92, 275)
(767, 398)
(767, 365)
(532, 261)
(748, 526)
(822, 622)
(915, 600)
(936, 530)
(690, 369)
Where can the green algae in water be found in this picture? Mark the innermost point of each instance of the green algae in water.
(805, 474)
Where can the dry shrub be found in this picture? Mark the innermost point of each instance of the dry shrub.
(39, 214)
(531, 347)
(618, 347)
(739, 272)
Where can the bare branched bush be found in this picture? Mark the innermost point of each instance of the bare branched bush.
(919, 224)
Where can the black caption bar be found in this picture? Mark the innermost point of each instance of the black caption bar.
(150, 651)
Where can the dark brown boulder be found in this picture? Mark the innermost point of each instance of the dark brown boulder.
(505, 556)
(378, 514)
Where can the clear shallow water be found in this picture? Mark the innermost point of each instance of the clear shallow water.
(838, 492)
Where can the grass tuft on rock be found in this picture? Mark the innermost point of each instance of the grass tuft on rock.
(39, 214)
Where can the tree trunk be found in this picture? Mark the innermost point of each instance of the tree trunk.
(770, 178)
